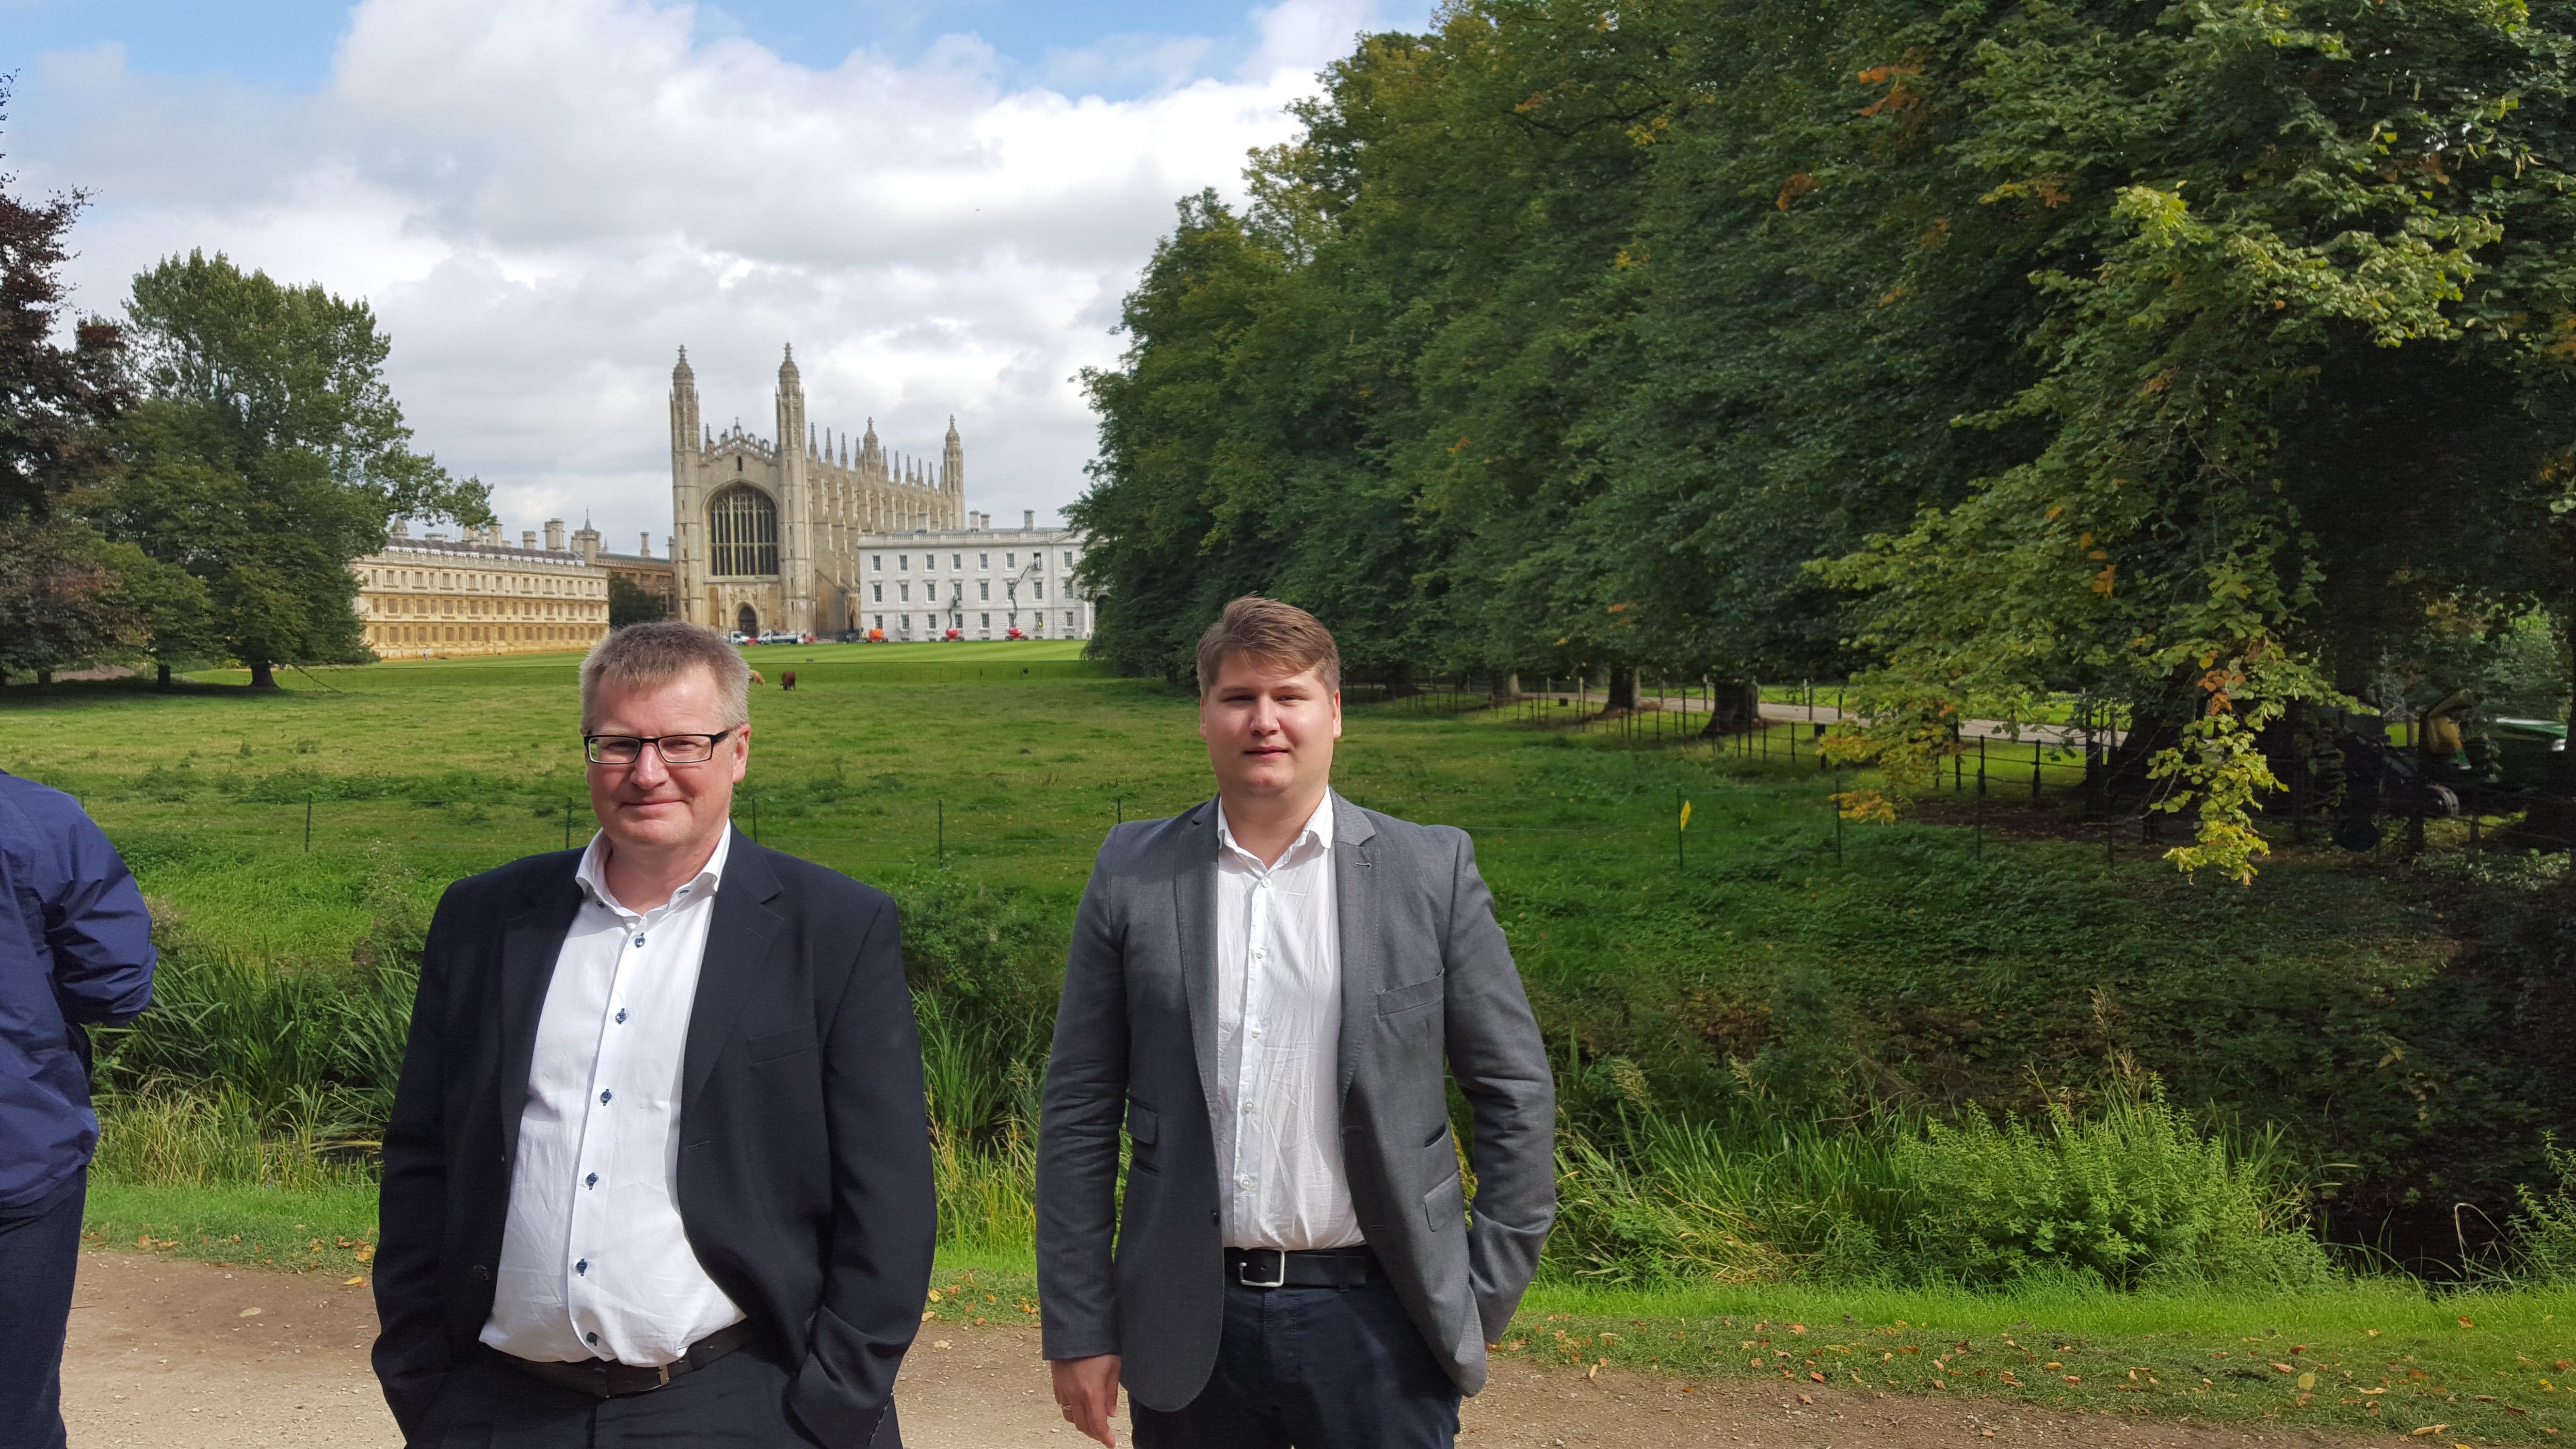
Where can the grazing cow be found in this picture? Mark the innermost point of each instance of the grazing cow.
(787, 680)
(756, 679)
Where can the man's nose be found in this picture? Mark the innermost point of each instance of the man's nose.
(648, 769)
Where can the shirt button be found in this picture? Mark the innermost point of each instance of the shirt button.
(582, 1267)
(604, 1096)
(591, 1181)
(1244, 1182)
(639, 940)
(1260, 951)
(621, 1016)
(591, 1338)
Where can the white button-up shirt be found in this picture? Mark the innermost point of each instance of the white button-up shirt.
(594, 1260)
(1279, 1027)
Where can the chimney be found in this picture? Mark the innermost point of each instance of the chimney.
(554, 535)
(585, 541)
(528, 539)
(1028, 518)
(645, 546)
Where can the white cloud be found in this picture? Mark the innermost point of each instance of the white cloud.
(543, 198)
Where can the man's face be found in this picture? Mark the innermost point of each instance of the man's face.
(651, 805)
(1268, 731)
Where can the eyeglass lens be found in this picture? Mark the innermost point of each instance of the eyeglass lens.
(675, 749)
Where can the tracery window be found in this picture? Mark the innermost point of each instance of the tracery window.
(743, 525)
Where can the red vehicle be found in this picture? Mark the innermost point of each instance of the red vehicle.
(1015, 634)
(954, 634)
(876, 636)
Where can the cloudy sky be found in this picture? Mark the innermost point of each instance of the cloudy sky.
(939, 202)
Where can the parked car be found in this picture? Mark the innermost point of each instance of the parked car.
(780, 636)
(1015, 634)
(954, 634)
(736, 636)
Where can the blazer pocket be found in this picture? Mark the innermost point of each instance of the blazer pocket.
(770, 1046)
(1406, 998)
(1141, 1124)
(1446, 1205)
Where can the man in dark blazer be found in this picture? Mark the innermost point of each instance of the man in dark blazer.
(658, 1168)
(1270, 994)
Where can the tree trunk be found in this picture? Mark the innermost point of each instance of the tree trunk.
(44, 679)
(1507, 687)
(1734, 707)
(161, 677)
(263, 674)
(1622, 690)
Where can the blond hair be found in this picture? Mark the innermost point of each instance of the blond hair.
(1278, 634)
(644, 655)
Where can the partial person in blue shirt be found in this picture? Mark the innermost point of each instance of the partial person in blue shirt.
(81, 956)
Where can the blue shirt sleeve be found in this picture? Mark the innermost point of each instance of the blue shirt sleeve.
(94, 922)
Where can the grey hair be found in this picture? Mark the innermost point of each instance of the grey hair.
(657, 653)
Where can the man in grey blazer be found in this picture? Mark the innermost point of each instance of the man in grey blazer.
(1264, 992)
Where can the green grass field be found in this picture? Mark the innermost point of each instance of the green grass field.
(1769, 963)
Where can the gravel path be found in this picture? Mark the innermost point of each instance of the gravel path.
(177, 1355)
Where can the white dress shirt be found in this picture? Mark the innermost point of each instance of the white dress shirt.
(594, 1261)
(1279, 1027)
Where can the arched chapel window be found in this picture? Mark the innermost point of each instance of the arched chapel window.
(743, 525)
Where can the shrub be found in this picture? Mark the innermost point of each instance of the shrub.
(2135, 1197)
(2546, 1225)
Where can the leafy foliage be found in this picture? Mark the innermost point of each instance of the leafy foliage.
(2185, 356)
(267, 455)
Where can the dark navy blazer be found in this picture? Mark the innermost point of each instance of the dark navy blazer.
(804, 1165)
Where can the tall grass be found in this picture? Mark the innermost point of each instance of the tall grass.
(2132, 1196)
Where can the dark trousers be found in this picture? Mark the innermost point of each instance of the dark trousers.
(39, 1252)
(1317, 1368)
(737, 1402)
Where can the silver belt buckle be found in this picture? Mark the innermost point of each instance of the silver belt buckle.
(1281, 1281)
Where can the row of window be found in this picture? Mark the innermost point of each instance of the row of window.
(957, 561)
(903, 622)
(428, 604)
(957, 591)
(485, 583)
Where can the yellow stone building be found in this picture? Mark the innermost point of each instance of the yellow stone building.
(433, 597)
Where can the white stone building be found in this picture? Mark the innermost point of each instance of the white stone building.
(980, 581)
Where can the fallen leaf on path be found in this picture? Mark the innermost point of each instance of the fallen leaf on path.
(249, 1313)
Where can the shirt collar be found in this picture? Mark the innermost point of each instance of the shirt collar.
(592, 874)
(1319, 829)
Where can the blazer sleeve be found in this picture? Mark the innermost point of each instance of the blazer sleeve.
(885, 1216)
(412, 1353)
(1499, 1061)
(1086, 1093)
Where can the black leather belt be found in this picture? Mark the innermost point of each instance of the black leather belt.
(1318, 1268)
(602, 1379)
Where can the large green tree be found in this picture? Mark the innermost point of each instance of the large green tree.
(2201, 358)
(58, 594)
(267, 453)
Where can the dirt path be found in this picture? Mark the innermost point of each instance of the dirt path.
(168, 1354)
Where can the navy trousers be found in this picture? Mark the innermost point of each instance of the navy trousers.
(39, 1252)
(737, 1402)
(1316, 1368)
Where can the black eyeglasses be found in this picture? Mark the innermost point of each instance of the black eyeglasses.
(674, 749)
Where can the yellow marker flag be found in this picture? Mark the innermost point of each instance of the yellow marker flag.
(1685, 815)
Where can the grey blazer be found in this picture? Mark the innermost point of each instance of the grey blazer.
(1427, 982)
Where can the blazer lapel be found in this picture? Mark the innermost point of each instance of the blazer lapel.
(531, 942)
(1194, 917)
(1356, 927)
(737, 938)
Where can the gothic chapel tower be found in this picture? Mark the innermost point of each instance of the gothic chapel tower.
(765, 531)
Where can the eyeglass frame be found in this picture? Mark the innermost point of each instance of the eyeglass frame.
(591, 742)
